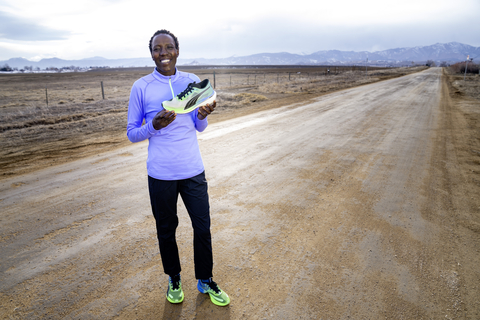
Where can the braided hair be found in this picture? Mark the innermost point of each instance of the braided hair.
(163, 31)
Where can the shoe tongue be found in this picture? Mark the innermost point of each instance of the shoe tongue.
(176, 282)
(175, 285)
(214, 286)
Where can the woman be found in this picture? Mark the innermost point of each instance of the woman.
(174, 164)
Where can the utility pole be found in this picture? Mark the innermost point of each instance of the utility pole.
(466, 64)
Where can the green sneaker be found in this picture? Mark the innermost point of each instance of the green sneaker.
(217, 295)
(193, 97)
(175, 292)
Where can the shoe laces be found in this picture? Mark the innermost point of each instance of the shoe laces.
(187, 91)
(213, 285)
(175, 281)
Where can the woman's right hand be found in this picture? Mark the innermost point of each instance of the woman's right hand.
(163, 119)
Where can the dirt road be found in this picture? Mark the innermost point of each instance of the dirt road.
(344, 208)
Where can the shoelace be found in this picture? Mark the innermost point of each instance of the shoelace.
(175, 281)
(186, 91)
(212, 284)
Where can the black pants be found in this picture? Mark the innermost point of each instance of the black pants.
(163, 198)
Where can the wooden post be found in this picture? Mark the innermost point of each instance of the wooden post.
(46, 95)
(214, 80)
(248, 79)
(103, 94)
(230, 80)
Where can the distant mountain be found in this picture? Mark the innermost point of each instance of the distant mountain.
(450, 52)
(83, 63)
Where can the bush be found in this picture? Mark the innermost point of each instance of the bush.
(6, 67)
(460, 67)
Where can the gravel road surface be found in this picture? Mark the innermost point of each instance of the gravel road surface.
(337, 209)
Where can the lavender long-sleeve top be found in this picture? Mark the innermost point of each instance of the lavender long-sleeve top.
(173, 151)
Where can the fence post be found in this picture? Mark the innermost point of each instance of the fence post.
(103, 94)
(214, 80)
(46, 95)
(230, 80)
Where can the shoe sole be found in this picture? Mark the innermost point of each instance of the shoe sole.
(173, 301)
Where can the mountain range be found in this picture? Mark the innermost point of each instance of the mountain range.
(449, 52)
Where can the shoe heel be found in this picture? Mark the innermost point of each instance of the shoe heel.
(209, 100)
(199, 287)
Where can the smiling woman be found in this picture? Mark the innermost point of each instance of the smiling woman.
(174, 164)
(164, 50)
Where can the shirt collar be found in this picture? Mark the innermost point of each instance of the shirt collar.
(163, 78)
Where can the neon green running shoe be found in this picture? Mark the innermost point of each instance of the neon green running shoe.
(175, 292)
(193, 97)
(217, 295)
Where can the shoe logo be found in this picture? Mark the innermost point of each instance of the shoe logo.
(194, 99)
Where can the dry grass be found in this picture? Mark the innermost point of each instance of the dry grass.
(470, 87)
(77, 122)
(240, 99)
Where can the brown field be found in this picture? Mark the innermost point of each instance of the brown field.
(77, 122)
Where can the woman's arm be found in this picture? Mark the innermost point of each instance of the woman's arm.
(135, 131)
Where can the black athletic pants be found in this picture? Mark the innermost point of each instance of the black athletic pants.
(163, 198)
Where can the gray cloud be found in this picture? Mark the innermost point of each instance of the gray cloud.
(15, 28)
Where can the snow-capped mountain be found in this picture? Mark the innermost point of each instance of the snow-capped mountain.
(449, 52)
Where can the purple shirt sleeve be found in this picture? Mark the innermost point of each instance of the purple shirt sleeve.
(137, 132)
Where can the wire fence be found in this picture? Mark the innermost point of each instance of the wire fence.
(80, 88)
(233, 79)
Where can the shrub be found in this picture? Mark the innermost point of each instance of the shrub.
(460, 67)
(5, 67)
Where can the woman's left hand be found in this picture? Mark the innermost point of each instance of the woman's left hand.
(205, 110)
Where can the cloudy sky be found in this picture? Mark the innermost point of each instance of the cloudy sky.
(112, 29)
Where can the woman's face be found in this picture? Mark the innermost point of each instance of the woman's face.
(164, 54)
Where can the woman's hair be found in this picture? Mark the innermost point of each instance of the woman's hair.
(163, 31)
